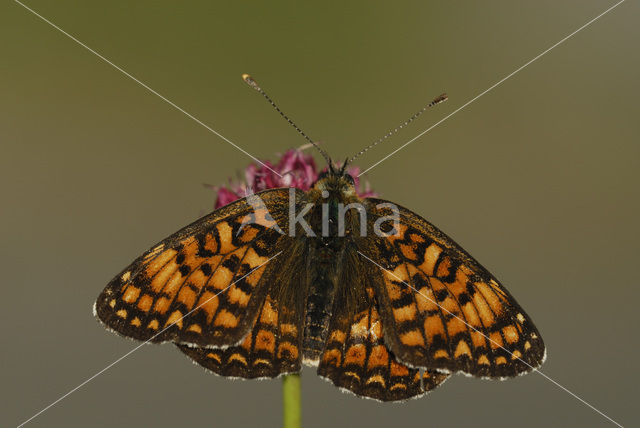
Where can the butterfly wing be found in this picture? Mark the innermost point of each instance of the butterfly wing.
(271, 348)
(205, 284)
(273, 345)
(441, 309)
(357, 358)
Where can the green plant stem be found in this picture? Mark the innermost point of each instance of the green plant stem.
(291, 408)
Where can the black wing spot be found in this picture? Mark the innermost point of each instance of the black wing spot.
(206, 269)
(184, 270)
(441, 295)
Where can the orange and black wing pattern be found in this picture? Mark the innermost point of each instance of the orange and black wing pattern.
(271, 348)
(442, 310)
(357, 359)
(205, 284)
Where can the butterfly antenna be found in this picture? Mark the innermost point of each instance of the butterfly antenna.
(344, 166)
(249, 81)
(437, 100)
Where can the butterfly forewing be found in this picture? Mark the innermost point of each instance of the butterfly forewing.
(205, 284)
(442, 310)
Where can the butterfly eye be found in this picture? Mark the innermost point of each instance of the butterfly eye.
(322, 175)
(349, 179)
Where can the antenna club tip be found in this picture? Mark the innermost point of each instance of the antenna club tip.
(441, 98)
(249, 81)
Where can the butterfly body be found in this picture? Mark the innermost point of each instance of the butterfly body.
(324, 256)
(382, 302)
(318, 309)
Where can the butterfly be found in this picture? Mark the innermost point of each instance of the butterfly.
(383, 303)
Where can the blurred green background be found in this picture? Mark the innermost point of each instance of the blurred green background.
(538, 179)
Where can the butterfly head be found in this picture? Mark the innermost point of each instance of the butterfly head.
(336, 182)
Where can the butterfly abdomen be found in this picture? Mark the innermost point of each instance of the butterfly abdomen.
(317, 314)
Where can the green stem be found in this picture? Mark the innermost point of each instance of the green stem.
(291, 409)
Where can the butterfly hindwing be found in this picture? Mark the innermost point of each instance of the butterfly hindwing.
(213, 270)
(270, 349)
(442, 309)
(357, 359)
(273, 345)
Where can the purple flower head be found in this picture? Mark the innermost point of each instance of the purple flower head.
(297, 169)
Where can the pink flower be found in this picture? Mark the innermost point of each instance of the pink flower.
(296, 168)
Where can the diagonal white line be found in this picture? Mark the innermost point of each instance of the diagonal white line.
(171, 103)
(142, 344)
(492, 341)
(492, 87)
